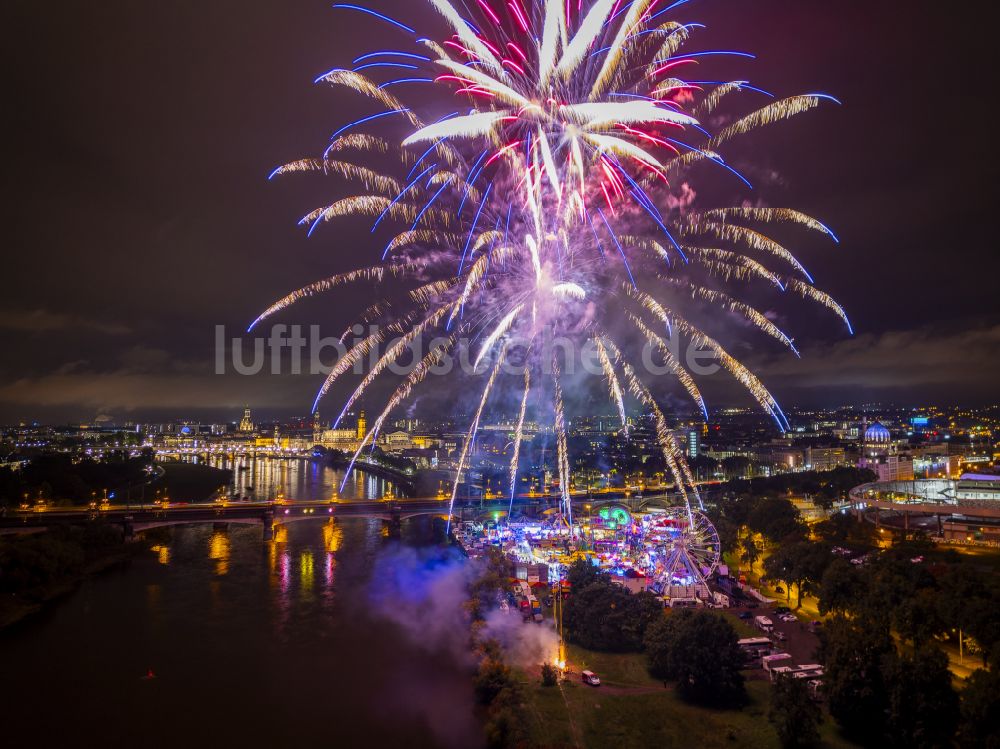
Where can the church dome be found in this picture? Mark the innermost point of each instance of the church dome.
(877, 434)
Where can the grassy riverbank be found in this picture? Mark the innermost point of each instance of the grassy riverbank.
(633, 709)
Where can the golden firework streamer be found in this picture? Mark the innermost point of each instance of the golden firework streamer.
(363, 142)
(421, 237)
(374, 273)
(495, 86)
(672, 455)
(651, 246)
(502, 327)
(360, 205)
(474, 427)
(811, 292)
(348, 360)
(713, 99)
(519, 433)
(767, 215)
(600, 115)
(548, 48)
(743, 266)
(677, 34)
(682, 375)
(478, 270)
(749, 237)
(561, 445)
(734, 305)
(614, 387)
(364, 86)
(393, 353)
(774, 112)
(620, 147)
(371, 179)
(738, 371)
(431, 291)
(402, 392)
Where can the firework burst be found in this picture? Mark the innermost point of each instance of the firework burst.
(544, 202)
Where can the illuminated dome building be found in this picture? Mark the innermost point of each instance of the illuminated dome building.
(878, 454)
(877, 437)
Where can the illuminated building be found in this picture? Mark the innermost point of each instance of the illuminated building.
(693, 443)
(880, 456)
(246, 423)
(978, 489)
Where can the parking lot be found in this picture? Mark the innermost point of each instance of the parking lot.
(799, 642)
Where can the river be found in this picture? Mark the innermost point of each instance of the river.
(263, 478)
(248, 643)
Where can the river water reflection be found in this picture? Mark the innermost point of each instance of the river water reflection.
(264, 478)
(251, 643)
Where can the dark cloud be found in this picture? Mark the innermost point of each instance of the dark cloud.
(952, 365)
(43, 321)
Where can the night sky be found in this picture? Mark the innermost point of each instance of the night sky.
(138, 215)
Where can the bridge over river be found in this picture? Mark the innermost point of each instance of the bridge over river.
(136, 518)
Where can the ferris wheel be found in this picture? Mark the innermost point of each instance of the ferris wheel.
(688, 547)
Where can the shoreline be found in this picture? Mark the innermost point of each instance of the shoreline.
(19, 608)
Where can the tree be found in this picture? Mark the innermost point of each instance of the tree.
(923, 705)
(980, 723)
(492, 677)
(775, 519)
(852, 651)
(728, 531)
(505, 718)
(749, 551)
(658, 644)
(582, 573)
(904, 595)
(781, 566)
(841, 588)
(843, 529)
(794, 713)
(800, 564)
(605, 616)
(735, 466)
(699, 650)
(917, 618)
(968, 601)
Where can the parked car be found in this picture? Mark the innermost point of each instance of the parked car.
(788, 618)
(744, 615)
(780, 636)
(589, 677)
(781, 610)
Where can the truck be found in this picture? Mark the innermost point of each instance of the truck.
(763, 623)
(754, 648)
(770, 663)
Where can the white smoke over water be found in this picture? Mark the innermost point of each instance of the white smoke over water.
(423, 592)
